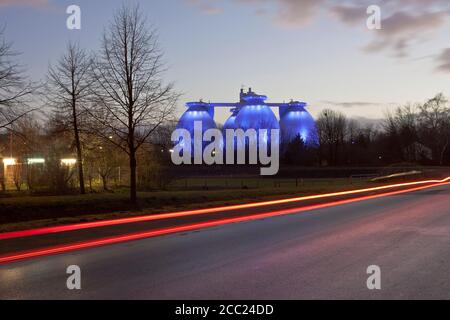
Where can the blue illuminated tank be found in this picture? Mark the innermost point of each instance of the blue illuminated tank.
(253, 112)
(231, 121)
(296, 121)
(230, 124)
(197, 111)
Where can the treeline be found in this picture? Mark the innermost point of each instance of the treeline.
(105, 166)
(411, 134)
(95, 104)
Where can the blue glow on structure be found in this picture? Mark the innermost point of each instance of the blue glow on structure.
(296, 121)
(231, 121)
(197, 111)
(252, 112)
(256, 117)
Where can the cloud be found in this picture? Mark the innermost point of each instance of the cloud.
(350, 104)
(294, 13)
(291, 13)
(209, 7)
(349, 14)
(24, 3)
(211, 10)
(404, 22)
(443, 61)
(402, 29)
(287, 13)
(365, 122)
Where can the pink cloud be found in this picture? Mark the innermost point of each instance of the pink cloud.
(404, 22)
(206, 6)
(24, 3)
(402, 29)
(443, 61)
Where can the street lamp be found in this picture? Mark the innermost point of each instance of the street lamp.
(9, 162)
(68, 161)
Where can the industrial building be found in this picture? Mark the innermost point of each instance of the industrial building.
(253, 112)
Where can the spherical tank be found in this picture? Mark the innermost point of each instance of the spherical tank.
(231, 121)
(197, 112)
(296, 121)
(255, 114)
(256, 117)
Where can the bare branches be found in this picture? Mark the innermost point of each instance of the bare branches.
(70, 79)
(131, 99)
(69, 85)
(421, 127)
(13, 87)
(332, 128)
(11, 117)
(128, 76)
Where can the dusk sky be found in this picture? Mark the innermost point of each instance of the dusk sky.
(317, 51)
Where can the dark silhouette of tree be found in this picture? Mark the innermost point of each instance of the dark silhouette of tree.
(68, 87)
(13, 86)
(401, 129)
(360, 144)
(331, 128)
(434, 119)
(296, 152)
(420, 132)
(132, 100)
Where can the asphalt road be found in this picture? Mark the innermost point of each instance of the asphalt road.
(321, 254)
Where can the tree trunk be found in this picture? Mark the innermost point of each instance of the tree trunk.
(78, 145)
(133, 188)
(80, 165)
(105, 183)
(2, 178)
(444, 149)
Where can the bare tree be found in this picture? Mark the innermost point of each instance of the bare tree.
(13, 86)
(132, 100)
(401, 129)
(68, 87)
(332, 128)
(434, 118)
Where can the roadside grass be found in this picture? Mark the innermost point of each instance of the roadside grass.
(21, 212)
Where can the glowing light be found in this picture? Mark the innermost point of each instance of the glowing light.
(68, 162)
(9, 162)
(197, 111)
(296, 121)
(195, 226)
(35, 160)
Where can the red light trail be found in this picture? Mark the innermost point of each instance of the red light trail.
(196, 226)
(171, 215)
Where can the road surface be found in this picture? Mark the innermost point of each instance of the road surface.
(320, 254)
